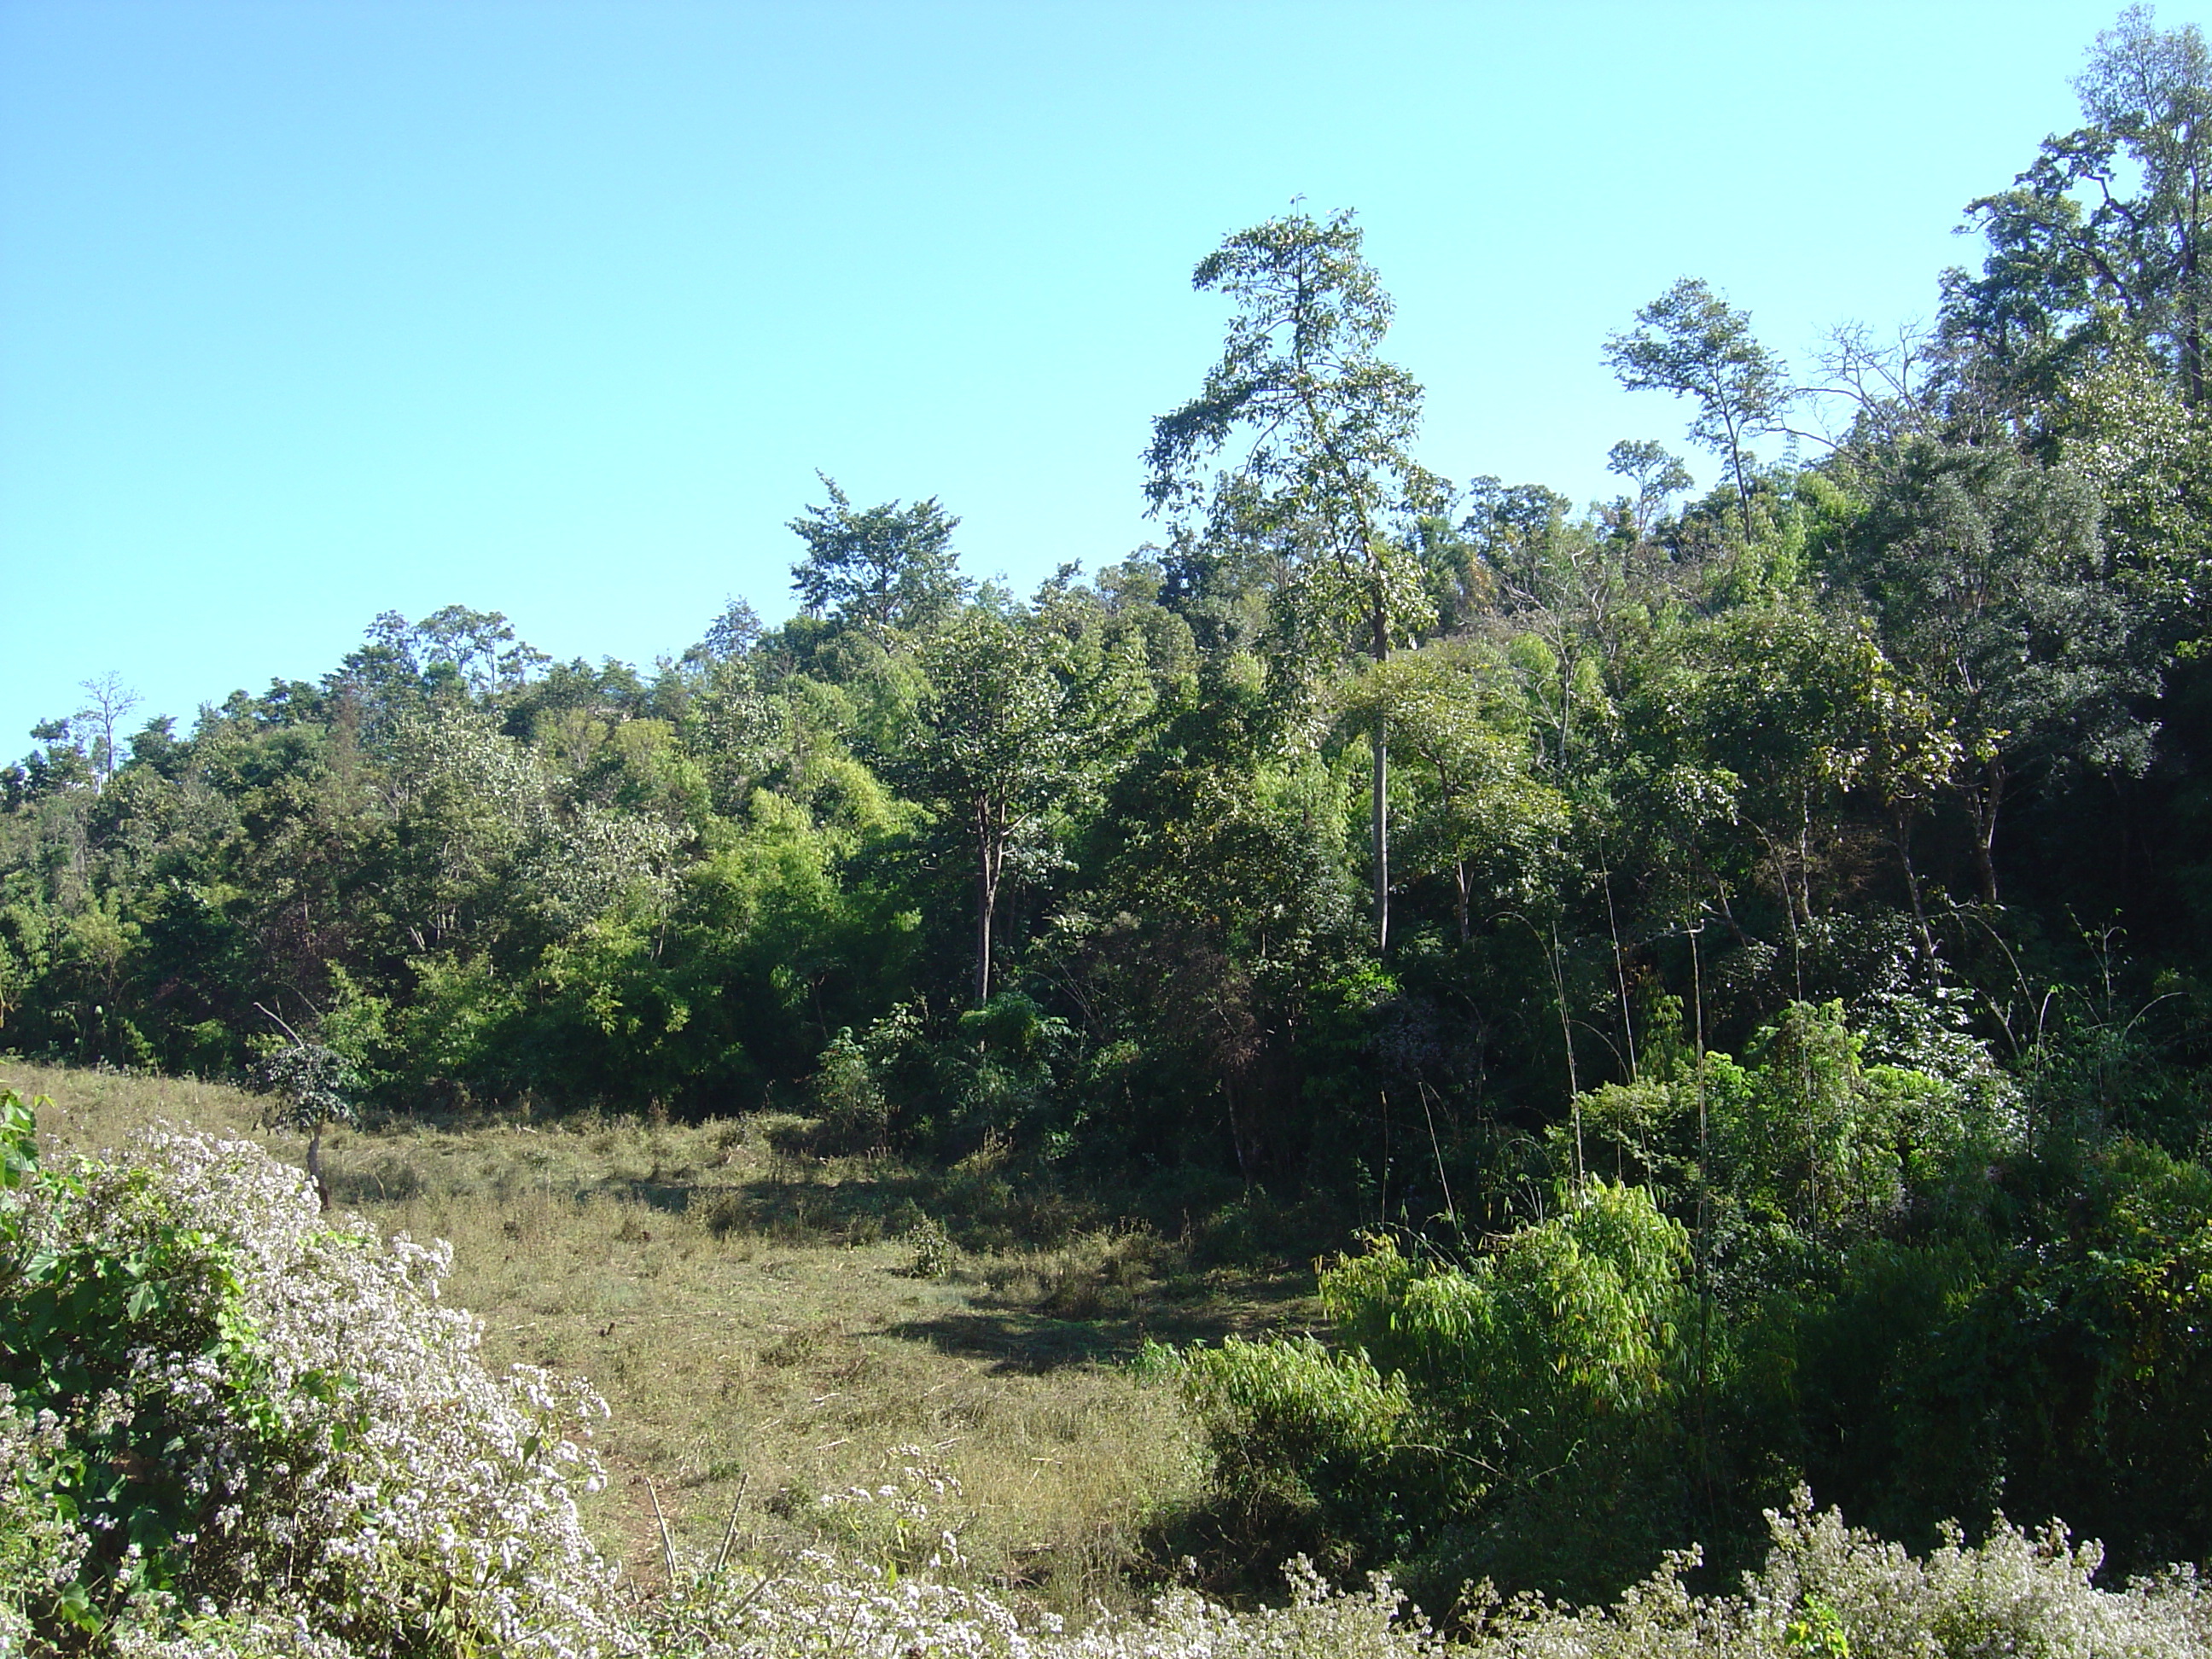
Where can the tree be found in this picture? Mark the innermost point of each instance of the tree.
(2077, 260)
(888, 566)
(995, 746)
(2151, 94)
(1216, 903)
(1658, 476)
(1691, 342)
(1884, 390)
(1988, 578)
(313, 1087)
(1566, 592)
(452, 655)
(478, 649)
(1302, 437)
(732, 634)
(1516, 528)
(1466, 733)
(1799, 707)
(80, 747)
(108, 703)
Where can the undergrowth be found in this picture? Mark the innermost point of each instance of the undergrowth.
(236, 1424)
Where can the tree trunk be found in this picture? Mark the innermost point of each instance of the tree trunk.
(1735, 461)
(1381, 800)
(1985, 804)
(1904, 821)
(1242, 1135)
(1620, 972)
(1382, 840)
(2192, 301)
(989, 853)
(1567, 1041)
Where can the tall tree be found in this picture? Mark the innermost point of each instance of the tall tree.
(1302, 436)
(455, 655)
(1691, 342)
(2151, 92)
(108, 703)
(884, 566)
(478, 649)
(2108, 236)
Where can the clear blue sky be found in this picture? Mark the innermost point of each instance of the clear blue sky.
(316, 309)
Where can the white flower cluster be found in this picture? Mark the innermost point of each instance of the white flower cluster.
(40, 1553)
(1830, 1591)
(823, 1604)
(349, 1466)
(899, 1520)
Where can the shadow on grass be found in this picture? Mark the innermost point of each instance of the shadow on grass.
(1015, 1338)
(1051, 1279)
(1031, 1343)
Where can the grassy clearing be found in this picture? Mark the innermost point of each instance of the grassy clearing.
(769, 1326)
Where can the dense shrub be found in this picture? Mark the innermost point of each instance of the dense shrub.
(1510, 1418)
(1305, 1448)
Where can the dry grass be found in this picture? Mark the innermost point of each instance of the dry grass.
(755, 1318)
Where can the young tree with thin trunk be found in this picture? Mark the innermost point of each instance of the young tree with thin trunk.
(998, 745)
(108, 703)
(1459, 718)
(1691, 342)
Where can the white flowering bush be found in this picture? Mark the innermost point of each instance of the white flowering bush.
(230, 1426)
(1827, 1591)
(825, 1605)
(41, 1551)
(1830, 1591)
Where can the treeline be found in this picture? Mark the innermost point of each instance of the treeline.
(1775, 920)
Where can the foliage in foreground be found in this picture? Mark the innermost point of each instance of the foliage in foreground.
(1808, 1270)
(232, 1428)
(214, 1407)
